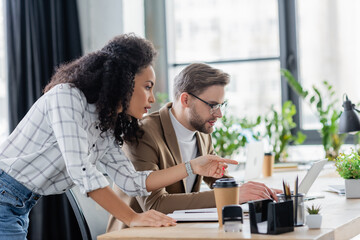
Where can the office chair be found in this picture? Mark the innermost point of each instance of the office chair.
(91, 217)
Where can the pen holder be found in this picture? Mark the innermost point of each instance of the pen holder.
(299, 208)
(268, 217)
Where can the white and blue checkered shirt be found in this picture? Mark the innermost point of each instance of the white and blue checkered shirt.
(58, 144)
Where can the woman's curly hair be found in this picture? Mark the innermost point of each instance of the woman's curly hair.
(106, 78)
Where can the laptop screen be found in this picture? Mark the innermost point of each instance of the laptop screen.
(311, 175)
(254, 160)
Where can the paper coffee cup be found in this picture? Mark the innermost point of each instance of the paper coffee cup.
(268, 165)
(226, 192)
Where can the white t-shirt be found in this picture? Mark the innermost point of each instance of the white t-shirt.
(187, 144)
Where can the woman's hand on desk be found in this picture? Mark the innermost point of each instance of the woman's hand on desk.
(254, 191)
(152, 218)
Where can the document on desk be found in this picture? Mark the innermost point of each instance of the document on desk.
(202, 214)
(340, 189)
(195, 215)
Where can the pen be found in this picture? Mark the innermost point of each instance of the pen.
(284, 189)
(288, 192)
(197, 212)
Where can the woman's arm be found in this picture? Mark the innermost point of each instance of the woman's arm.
(107, 198)
(209, 165)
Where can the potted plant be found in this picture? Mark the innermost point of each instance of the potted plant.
(348, 167)
(278, 130)
(313, 219)
(324, 104)
(230, 134)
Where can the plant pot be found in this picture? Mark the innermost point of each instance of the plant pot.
(314, 220)
(352, 187)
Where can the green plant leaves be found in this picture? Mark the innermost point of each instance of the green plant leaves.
(278, 129)
(326, 106)
(229, 135)
(348, 165)
(313, 209)
(296, 86)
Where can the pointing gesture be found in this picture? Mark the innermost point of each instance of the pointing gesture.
(211, 165)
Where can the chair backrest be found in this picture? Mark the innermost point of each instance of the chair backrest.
(91, 217)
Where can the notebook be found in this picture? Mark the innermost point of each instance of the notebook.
(340, 189)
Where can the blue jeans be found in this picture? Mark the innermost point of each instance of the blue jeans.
(16, 202)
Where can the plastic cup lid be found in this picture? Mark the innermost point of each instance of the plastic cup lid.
(225, 183)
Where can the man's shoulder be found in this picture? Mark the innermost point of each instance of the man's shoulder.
(150, 121)
(152, 125)
(157, 121)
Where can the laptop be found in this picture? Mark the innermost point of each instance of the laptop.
(254, 160)
(308, 181)
(311, 176)
(255, 154)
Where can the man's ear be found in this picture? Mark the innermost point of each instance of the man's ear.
(184, 99)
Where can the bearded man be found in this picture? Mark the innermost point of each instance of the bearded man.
(181, 131)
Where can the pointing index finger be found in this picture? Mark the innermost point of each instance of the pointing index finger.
(230, 161)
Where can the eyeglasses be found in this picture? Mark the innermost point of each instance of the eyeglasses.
(213, 107)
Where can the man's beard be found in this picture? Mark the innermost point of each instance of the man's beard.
(198, 123)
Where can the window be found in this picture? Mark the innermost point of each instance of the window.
(4, 122)
(253, 39)
(240, 37)
(329, 49)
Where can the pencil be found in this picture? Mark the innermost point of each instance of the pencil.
(284, 189)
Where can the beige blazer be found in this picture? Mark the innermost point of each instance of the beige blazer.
(159, 149)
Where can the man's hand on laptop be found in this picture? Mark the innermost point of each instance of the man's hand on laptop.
(254, 191)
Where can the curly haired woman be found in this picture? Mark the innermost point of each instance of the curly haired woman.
(89, 108)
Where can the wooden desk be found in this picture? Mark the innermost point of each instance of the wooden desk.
(341, 218)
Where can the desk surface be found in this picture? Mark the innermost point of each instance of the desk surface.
(341, 218)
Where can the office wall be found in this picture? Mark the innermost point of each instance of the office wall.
(100, 21)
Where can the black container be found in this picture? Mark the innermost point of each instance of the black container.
(299, 208)
(269, 217)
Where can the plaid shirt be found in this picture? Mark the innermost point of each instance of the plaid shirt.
(58, 144)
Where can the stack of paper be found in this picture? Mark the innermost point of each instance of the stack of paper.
(195, 215)
(202, 214)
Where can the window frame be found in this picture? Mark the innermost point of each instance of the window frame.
(288, 52)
